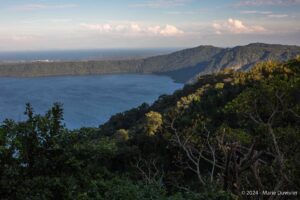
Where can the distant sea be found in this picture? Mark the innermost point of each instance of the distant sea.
(77, 55)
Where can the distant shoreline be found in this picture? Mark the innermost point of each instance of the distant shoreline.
(182, 66)
(81, 55)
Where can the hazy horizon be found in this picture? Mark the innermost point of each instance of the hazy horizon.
(83, 54)
(96, 49)
(34, 25)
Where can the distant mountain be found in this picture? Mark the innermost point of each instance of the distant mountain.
(182, 66)
(208, 59)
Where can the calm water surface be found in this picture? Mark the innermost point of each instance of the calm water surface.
(88, 100)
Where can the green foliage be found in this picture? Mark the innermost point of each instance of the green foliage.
(222, 113)
(235, 135)
(219, 86)
(153, 122)
(122, 135)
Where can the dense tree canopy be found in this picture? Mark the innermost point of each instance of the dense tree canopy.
(227, 133)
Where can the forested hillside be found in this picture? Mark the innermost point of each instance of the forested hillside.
(227, 133)
(182, 66)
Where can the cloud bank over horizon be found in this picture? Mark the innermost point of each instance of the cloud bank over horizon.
(74, 24)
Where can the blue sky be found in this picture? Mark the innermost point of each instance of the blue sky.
(86, 24)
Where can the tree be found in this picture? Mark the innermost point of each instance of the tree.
(122, 135)
(266, 107)
(153, 122)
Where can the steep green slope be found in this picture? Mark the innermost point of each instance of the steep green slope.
(237, 58)
(181, 59)
(227, 133)
(182, 66)
(243, 57)
(236, 131)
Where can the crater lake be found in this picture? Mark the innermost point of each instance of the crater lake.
(88, 101)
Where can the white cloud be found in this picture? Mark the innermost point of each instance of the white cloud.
(155, 30)
(22, 38)
(267, 13)
(94, 27)
(60, 20)
(162, 3)
(278, 16)
(267, 2)
(248, 11)
(107, 27)
(120, 28)
(135, 28)
(170, 30)
(31, 7)
(256, 12)
(180, 13)
(236, 26)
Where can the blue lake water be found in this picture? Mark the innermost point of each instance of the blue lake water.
(88, 100)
